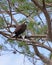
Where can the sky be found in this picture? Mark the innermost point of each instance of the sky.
(13, 59)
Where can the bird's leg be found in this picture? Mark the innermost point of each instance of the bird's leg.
(23, 37)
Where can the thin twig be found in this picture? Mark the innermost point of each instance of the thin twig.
(44, 6)
(10, 10)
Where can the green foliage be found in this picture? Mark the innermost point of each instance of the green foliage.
(3, 2)
(49, 1)
(41, 29)
(37, 27)
(22, 0)
(21, 44)
(1, 47)
(11, 41)
(27, 49)
(26, 6)
(50, 55)
(44, 29)
(24, 47)
(23, 20)
(31, 25)
(17, 1)
(13, 1)
(1, 23)
(4, 5)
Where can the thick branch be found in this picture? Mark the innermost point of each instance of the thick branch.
(10, 10)
(34, 43)
(37, 36)
(5, 34)
(48, 22)
(43, 58)
(47, 17)
(37, 4)
(44, 6)
(49, 4)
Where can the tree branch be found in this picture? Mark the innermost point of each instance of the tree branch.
(47, 17)
(10, 10)
(44, 6)
(5, 34)
(43, 58)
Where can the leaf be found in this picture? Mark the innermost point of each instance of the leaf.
(21, 44)
(24, 47)
(13, 1)
(31, 26)
(27, 7)
(4, 5)
(1, 23)
(0, 47)
(49, 1)
(50, 55)
(27, 49)
(21, 0)
(11, 41)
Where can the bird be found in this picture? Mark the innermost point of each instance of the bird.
(20, 29)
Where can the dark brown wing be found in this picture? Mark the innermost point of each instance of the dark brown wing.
(20, 29)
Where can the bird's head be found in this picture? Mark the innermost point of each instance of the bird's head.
(25, 22)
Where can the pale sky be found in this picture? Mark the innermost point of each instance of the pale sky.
(13, 59)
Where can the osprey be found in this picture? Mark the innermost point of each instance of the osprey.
(20, 29)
